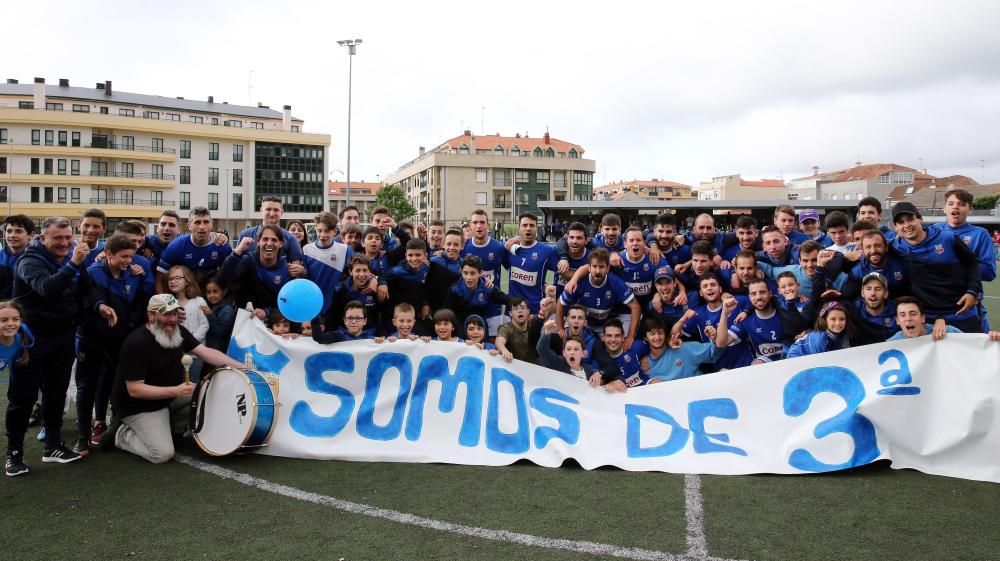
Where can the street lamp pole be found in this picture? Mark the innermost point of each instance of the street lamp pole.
(352, 48)
(10, 172)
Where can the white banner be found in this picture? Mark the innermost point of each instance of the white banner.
(930, 406)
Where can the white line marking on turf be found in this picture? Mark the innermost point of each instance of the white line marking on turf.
(695, 515)
(440, 525)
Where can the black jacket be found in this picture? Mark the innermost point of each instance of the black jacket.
(51, 291)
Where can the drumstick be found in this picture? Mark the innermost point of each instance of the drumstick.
(186, 361)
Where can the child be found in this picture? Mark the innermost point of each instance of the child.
(403, 319)
(354, 285)
(353, 330)
(279, 324)
(445, 325)
(307, 329)
(470, 295)
(833, 332)
(15, 339)
(475, 334)
(571, 361)
(181, 283)
(514, 338)
(679, 359)
(221, 317)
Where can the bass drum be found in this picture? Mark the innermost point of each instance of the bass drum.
(233, 411)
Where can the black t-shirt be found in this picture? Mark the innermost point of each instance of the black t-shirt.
(142, 358)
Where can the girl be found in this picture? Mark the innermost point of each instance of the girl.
(279, 325)
(297, 229)
(475, 334)
(833, 332)
(181, 283)
(15, 340)
(444, 326)
(221, 317)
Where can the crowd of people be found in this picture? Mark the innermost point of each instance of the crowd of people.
(622, 309)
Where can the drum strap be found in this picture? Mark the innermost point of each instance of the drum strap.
(197, 420)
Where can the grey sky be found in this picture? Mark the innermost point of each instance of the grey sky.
(663, 90)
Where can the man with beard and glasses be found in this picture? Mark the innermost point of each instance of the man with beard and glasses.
(151, 398)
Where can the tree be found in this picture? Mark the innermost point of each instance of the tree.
(985, 202)
(393, 198)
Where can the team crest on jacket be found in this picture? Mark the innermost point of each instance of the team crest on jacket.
(490, 257)
(645, 266)
(215, 255)
(939, 249)
(967, 239)
(534, 256)
(128, 290)
(277, 280)
(898, 275)
(628, 358)
(608, 295)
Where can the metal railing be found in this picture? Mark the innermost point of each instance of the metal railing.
(132, 175)
(132, 147)
(503, 204)
(130, 201)
(163, 118)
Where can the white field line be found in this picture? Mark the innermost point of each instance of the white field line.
(695, 515)
(696, 552)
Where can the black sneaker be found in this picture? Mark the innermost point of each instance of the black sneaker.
(59, 455)
(82, 446)
(108, 438)
(15, 465)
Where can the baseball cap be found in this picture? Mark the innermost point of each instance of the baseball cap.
(162, 303)
(808, 214)
(664, 273)
(904, 207)
(874, 275)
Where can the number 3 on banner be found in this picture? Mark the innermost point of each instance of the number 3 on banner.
(799, 394)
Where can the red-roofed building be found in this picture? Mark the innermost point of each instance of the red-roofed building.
(362, 196)
(881, 181)
(735, 188)
(504, 175)
(646, 190)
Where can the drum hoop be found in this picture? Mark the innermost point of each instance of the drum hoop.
(250, 426)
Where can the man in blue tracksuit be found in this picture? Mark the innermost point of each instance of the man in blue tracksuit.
(957, 206)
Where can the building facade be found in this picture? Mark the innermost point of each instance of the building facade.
(66, 149)
(735, 188)
(362, 196)
(647, 190)
(504, 175)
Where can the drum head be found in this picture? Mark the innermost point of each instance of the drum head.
(229, 403)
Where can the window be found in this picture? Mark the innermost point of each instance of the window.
(185, 148)
(559, 180)
(125, 196)
(34, 194)
(81, 108)
(498, 151)
(560, 197)
(185, 175)
(150, 114)
(515, 151)
(521, 176)
(50, 137)
(213, 176)
(3, 136)
(480, 198)
(3, 164)
(237, 201)
(295, 128)
(61, 168)
(76, 139)
(213, 150)
(542, 177)
(74, 167)
(35, 165)
(256, 125)
(883, 179)
(480, 175)
(157, 197)
(128, 143)
(237, 178)
(185, 200)
(26, 105)
(54, 106)
(126, 112)
(63, 138)
(157, 145)
(234, 123)
(104, 110)
(215, 120)
(538, 152)
(36, 137)
(48, 194)
(197, 119)
(173, 117)
(463, 149)
(550, 153)
(74, 195)
(128, 169)
(213, 201)
(48, 166)
(501, 178)
(573, 153)
(99, 195)
(157, 171)
(237, 152)
(99, 169)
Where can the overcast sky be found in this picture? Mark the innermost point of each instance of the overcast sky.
(675, 91)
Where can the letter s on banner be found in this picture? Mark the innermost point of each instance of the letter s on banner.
(302, 419)
(799, 393)
(543, 400)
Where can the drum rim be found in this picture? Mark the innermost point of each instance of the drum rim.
(253, 419)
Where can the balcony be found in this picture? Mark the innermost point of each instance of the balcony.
(503, 204)
(132, 147)
(129, 201)
(132, 175)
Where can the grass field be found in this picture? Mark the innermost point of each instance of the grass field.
(115, 506)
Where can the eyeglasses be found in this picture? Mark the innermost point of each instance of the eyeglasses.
(172, 279)
(354, 318)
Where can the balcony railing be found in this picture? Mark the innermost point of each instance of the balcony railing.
(502, 204)
(273, 120)
(130, 201)
(133, 147)
(132, 175)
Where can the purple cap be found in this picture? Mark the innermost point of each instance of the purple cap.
(664, 273)
(808, 214)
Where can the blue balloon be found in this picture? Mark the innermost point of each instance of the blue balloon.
(300, 300)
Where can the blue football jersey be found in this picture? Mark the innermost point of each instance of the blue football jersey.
(528, 266)
(599, 300)
(182, 251)
(763, 335)
(493, 255)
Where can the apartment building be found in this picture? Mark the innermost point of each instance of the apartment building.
(67, 148)
(644, 190)
(505, 175)
(362, 196)
(735, 188)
